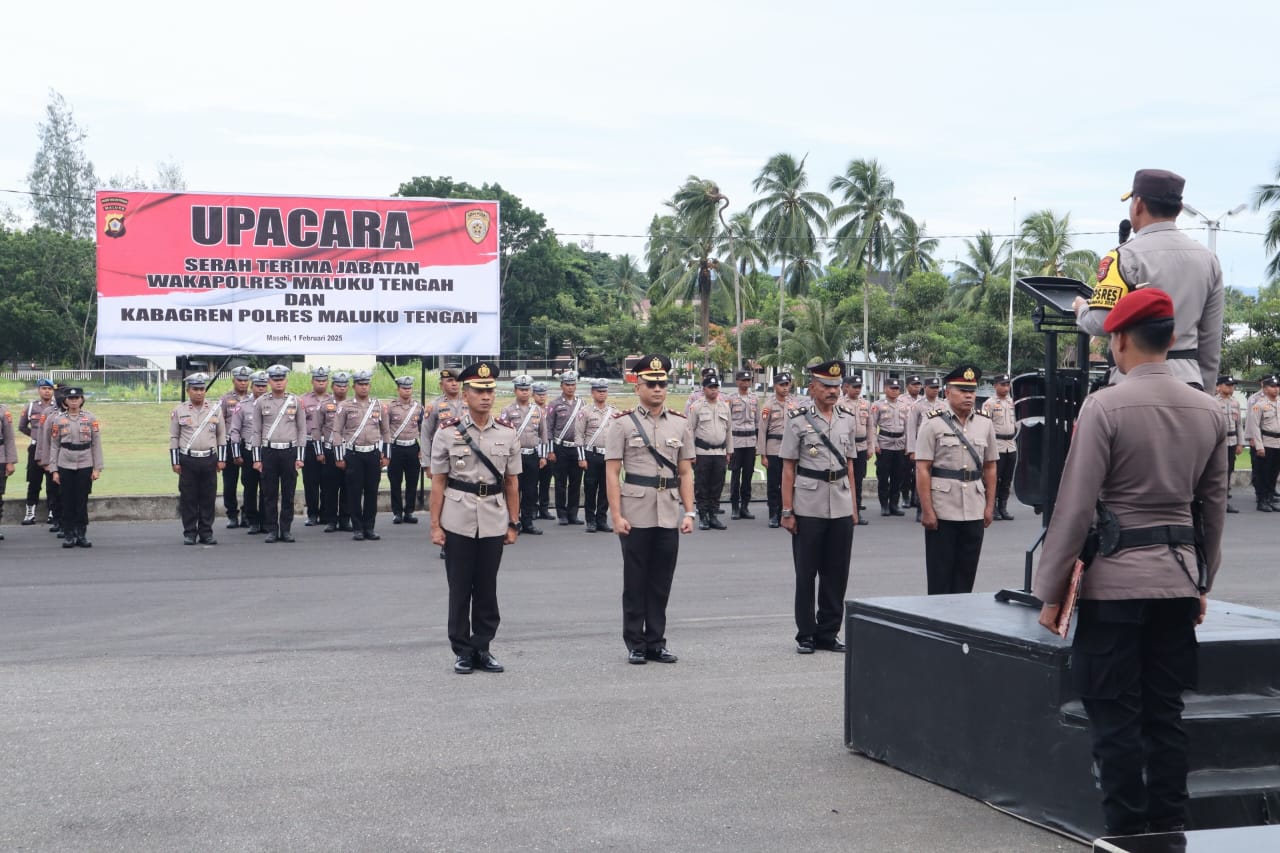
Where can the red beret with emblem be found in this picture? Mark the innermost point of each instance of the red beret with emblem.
(1143, 304)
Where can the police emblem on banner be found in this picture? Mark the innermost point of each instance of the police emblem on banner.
(114, 207)
(478, 225)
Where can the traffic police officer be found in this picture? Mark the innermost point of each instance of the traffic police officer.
(1134, 649)
(861, 408)
(362, 451)
(231, 472)
(654, 445)
(404, 421)
(1264, 435)
(75, 456)
(744, 409)
(1000, 409)
(29, 425)
(197, 452)
(589, 432)
(818, 508)
(8, 453)
(889, 423)
(1235, 434)
(450, 405)
(312, 468)
(277, 435)
(43, 443)
(956, 458)
(334, 496)
(773, 417)
(545, 468)
(564, 454)
(711, 421)
(475, 468)
(242, 454)
(528, 419)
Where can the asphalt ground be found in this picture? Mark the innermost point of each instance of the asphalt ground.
(300, 697)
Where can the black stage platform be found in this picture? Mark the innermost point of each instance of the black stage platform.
(973, 694)
(1248, 839)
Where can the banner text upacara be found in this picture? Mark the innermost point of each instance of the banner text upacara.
(301, 228)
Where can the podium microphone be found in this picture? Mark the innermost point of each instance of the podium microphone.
(1126, 228)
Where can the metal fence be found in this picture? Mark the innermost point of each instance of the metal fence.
(139, 386)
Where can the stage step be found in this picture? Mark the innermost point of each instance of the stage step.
(1249, 839)
(1240, 797)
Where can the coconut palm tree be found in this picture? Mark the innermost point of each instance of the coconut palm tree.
(627, 282)
(1044, 248)
(747, 247)
(912, 249)
(1269, 194)
(986, 270)
(803, 272)
(793, 217)
(865, 237)
(818, 333)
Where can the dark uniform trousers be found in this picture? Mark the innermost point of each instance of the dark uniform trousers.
(595, 501)
(951, 556)
(231, 476)
(859, 474)
(708, 481)
(648, 567)
(909, 497)
(77, 483)
(1004, 474)
(197, 493)
(1265, 469)
(403, 471)
(364, 471)
(568, 482)
(743, 468)
(1131, 661)
(279, 482)
(253, 494)
(773, 485)
(471, 564)
(544, 487)
(891, 470)
(821, 549)
(37, 475)
(529, 478)
(312, 479)
(333, 491)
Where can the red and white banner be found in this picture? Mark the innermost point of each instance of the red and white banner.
(208, 274)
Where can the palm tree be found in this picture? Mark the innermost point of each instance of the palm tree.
(793, 217)
(987, 268)
(1044, 247)
(747, 246)
(804, 270)
(819, 333)
(912, 250)
(865, 237)
(1269, 194)
(627, 283)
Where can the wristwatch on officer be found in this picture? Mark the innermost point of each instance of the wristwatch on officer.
(690, 514)
(513, 525)
(787, 513)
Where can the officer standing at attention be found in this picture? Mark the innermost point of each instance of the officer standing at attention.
(956, 459)
(197, 452)
(43, 444)
(654, 445)
(334, 497)
(29, 425)
(1000, 409)
(231, 472)
(1134, 650)
(928, 402)
(362, 451)
(312, 468)
(889, 423)
(854, 401)
(450, 405)
(528, 419)
(745, 411)
(818, 508)
(242, 454)
(914, 395)
(475, 472)
(1264, 436)
(277, 435)
(711, 421)
(545, 468)
(773, 419)
(8, 453)
(564, 454)
(1160, 254)
(589, 432)
(75, 456)
(1235, 434)
(404, 421)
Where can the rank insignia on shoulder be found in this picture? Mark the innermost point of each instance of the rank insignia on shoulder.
(503, 422)
(842, 407)
(674, 412)
(623, 413)
(449, 421)
(935, 413)
(797, 411)
(980, 412)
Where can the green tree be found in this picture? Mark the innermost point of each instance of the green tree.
(1269, 195)
(983, 278)
(820, 333)
(1045, 248)
(912, 248)
(62, 180)
(47, 296)
(627, 283)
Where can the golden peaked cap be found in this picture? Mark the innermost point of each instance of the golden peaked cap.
(655, 367)
(480, 375)
(965, 376)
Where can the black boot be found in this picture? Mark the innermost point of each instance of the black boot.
(68, 538)
(82, 542)
(745, 514)
(714, 521)
(703, 523)
(1005, 515)
(774, 520)
(544, 514)
(602, 524)
(527, 527)
(1263, 506)
(233, 520)
(591, 524)
(734, 514)
(884, 509)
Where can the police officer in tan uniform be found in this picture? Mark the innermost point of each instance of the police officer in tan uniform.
(929, 401)
(277, 435)
(242, 454)
(1000, 409)
(450, 405)
(956, 457)
(312, 467)
(1264, 436)
(651, 506)
(744, 408)
(232, 470)
(563, 455)
(1148, 449)
(335, 499)
(589, 432)
(773, 419)
(1226, 398)
(547, 470)
(75, 456)
(861, 408)
(712, 422)
(8, 453)
(29, 424)
(197, 452)
(475, 470)
(404, 421)
(528, 419)
(889, 425)
(362, 451)
(818, 508)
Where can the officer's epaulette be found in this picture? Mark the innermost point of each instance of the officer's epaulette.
(448, 422)
(677, 414)
(848, 411)
(980, 412)
(797, 411)
(934, 413)
(623, 413)
(503, 422)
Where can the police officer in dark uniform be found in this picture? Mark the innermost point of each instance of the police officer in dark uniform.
(242, 454)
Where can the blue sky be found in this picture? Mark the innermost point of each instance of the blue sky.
(593, 113)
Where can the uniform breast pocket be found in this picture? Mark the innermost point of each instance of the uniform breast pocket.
(459, 457)
(631, 491)
(939, 485)
(635, 441)
(186, 420)
(806, 483)
(501, 448)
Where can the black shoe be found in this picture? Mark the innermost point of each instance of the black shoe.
(462, 665)
(1231, 509)
(68, 542)
(894, 510)
(735, 514)
(884, 509)
(703, 523)
(81, 542)
(271, 538)
(861, 508)
(591, 527)
(487, 662)
(331, 528)
(312, 521)
(397, 519)
(832, 645)
(636, 656)
(1263, 506)
(774, 521)
(718, 510)
(55, 528)
(345, 526)
(804, 647)
(208, 540)
(545, 515)
(233, 521)
(255, 530)
(573, 519)
(660, 655)
(563, 521)
(603, 527)
(862, 521)
(716, 524)
(745, 514)
(358, 536)
(287, 537)
(409, 519)
(188, 540)
(370, 536)
(529, 529)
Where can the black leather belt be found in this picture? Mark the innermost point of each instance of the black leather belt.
(1192, 354)
(77, 446)
(771, 436)
(1268, 433)
(835, 475)
(887, 434)
(1008, 437)
(1165, 534)
(483, 490)
(659, 483)
(953, 474)
(706, 445)
(744, 433)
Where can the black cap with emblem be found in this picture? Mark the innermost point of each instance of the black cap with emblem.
(965, 377)
(651, 367)
(783, 378)
(1226, 380)
(1001, 379)
(854, 379)
(742, 376)
(1158, 185)
(480, 376)
(826, 372)
(932, 382)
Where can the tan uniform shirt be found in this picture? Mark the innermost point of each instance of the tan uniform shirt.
(312, 405)
(744, 411)
(278, 421)
(711, 423)
(1264, 417)
(1231, 411)
(462, 512)
(361, 425)
(45, 431)
(441, 408)
(592, 428)
(827, 494)
(561, 414)
(185, 418)
(530, 424)
(81, 430)
(773, 421)
(238, 427)
(957, 500)
(404, 421)
(1000, 410)
(33, 415)
(1146, 448)
(889, 422)
(916, 417)
(327, 432)
(671, 436)
(861, 409)
(8, 443)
